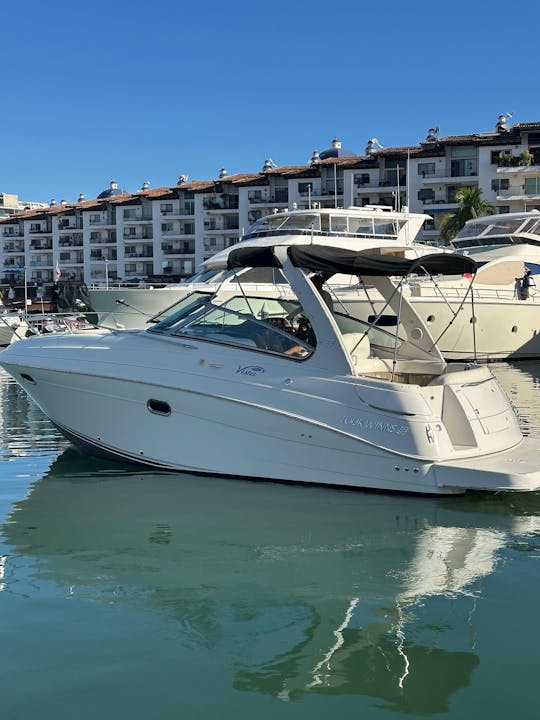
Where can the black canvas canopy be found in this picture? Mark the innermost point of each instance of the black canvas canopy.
(331, 260)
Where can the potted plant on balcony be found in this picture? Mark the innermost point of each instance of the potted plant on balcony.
(525, 158)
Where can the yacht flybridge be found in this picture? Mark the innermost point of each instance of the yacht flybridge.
(280, 387)
(372, 226)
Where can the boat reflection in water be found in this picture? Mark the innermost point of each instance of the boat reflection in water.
(294, 590)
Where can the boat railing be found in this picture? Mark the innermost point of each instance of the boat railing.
(480, 293)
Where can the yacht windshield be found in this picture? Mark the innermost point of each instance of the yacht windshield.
(180, 310)
(267, 324)
(205, 275)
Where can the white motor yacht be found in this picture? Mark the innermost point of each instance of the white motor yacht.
(360, 228)
(506, 321)
(285, 389)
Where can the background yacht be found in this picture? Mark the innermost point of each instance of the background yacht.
(505, 325)
(371, 226)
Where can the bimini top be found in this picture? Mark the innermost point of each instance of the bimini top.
(331, 260)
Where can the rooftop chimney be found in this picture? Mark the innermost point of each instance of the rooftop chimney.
(315, 158)
(145, 185)
(222, 173)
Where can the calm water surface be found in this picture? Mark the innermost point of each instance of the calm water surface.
(135, 594)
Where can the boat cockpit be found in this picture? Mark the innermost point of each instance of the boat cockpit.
(280, 324)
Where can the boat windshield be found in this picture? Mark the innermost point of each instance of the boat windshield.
(180, 310)
(274, 325)
(211, 275)
(501, 232)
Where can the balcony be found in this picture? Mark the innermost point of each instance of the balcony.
(102, 222)
(450, 179)
(134, 237)
(64, 242)
(517, 195)
(138, 219)
(530, 170)
(146, 254)
(39, 231)
(41, 245)
(13, 247)
(178, 250)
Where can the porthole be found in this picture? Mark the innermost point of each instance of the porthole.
(430, 319)
(158, 407)
(473, 320)
(28, 378)
(514, 328)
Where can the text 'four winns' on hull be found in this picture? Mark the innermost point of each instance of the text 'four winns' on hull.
(283, 386)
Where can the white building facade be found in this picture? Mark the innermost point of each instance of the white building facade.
(166, 233)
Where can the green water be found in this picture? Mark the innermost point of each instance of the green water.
(135, 594)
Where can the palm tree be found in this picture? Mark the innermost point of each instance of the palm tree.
(471, 205)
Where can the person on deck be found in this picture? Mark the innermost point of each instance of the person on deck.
(527, 282)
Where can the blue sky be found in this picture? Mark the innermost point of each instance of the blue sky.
(144, 91)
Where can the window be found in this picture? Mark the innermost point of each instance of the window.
(500, 184)
(166, 208)
(361, 179)
(532, 186)
(264, 324)
(129, 214)
(95, 236)
(304, 188)
(167, 227)
(95, 218)
(426, 196)
(425, 169)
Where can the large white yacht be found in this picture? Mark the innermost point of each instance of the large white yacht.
(506, 323)
(284, 388)
(365, 227)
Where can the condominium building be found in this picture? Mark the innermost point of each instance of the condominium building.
(10, 204)
(168, 232)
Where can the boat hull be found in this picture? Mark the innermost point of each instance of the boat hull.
(213, 416)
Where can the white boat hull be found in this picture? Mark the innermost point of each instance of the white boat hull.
(235, 420)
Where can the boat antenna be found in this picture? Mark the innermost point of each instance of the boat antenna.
(397, 183)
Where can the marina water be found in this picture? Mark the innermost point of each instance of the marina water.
(128, 593)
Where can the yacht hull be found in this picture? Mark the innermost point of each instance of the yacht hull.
(503, 329)
(185, 409)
